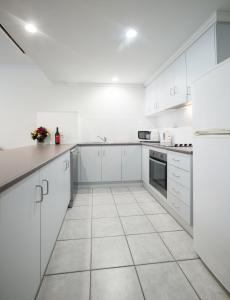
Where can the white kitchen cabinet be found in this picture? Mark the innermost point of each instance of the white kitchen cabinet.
(169, 89)
(173, 86)
(152, 97)
(55, 179)
(31, 214)
(111, 163)
(131, 163)
(65, 159)
(179, 185)
(145, 165)
(90, 164)
(20, 240)
(164, 92)
(178, 89)
(201, 56)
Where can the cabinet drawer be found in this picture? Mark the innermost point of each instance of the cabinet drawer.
(182, 161)
(181, 208)
(184, 194)
(180, 176)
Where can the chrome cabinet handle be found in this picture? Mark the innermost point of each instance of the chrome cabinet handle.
(47, 187)
(174, 90)
(176, 191)
(177, 176)
(38, 186)
(177, 160)
(98, 153)
(65, 165)
(188, 90)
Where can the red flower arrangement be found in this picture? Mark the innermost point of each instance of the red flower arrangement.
(40, 134)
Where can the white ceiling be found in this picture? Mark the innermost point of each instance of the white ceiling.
(83, 40)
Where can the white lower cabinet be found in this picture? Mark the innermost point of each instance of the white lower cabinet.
(131, 163)
(90, 164)
(179, 186)
(31, 214)
(55, 180)
(111, 163)
(20, 240)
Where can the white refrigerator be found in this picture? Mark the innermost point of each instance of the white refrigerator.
(211, 169)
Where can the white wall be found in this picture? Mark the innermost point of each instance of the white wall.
(177, 121)
(173, 118)
(115, 112)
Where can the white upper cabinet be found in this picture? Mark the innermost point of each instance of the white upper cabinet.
(201, 56)
(131, 163)
(178, 89)
(90, 164)
(111, 163)
(152, 97)
(165, 85)
(173, 86)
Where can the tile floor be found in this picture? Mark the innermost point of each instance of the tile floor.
(118, 243)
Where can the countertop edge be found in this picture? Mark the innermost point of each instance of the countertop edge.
(156, 145)
(18, 177)
(23, 175)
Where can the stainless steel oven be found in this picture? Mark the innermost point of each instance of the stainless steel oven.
(158, 171)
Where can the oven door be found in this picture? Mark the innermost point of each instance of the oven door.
(158, 175)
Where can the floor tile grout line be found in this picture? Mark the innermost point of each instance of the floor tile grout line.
(91, 251)
(159, 235)
(176, 261)
(130, 252)
(118, 267)
(106, 236)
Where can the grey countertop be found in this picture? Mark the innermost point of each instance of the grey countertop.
(184, 150)
(18, 163)
(109, 143)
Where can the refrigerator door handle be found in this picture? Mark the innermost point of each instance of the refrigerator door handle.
(212, 132)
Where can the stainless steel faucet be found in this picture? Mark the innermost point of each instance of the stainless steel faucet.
(104, 139)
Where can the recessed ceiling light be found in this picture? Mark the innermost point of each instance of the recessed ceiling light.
(115, 79)
(31, 28)
(131, 33)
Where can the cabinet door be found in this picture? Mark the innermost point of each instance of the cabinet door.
(111, 163)
(53, 206)
(131, 163)
(145, 164)
(179, 89)
(66, 174)
(20, 240)
(165, 86)
(201, 56)
(151, 98)
(90, 164)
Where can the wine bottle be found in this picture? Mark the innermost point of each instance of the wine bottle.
(57, 137)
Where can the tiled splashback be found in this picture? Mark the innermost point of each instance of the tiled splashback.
(180, 135)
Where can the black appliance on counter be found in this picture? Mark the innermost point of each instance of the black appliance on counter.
(144, 135)
(158, 171)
